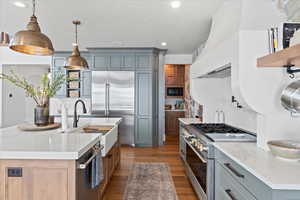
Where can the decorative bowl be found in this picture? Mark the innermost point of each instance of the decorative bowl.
(288, 149)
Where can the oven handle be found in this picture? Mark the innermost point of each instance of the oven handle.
(96, 152)
(229, 193)
(201, 157)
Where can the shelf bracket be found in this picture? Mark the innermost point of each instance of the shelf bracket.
(291, 71)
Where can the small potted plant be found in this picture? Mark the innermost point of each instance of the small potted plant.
(40, 94)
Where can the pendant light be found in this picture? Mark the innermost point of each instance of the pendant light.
(32, 41)
(75, 61)
(4, 39)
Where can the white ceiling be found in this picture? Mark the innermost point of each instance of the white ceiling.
(118, 22)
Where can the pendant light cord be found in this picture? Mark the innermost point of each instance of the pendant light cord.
(76, 23)
(76, 33)
(33, 7)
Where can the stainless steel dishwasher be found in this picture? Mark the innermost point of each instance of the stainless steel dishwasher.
(83, 176)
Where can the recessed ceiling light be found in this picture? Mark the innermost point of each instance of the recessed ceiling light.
(163, 44)
(19, 4)
(175, 4)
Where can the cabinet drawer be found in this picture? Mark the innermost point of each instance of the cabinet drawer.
(245, 178)
(227, 188)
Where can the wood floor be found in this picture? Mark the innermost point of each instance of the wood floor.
(168, 154)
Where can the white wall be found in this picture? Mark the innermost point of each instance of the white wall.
(11, 58)
(215, 94)
(17, 107)
(178, 59)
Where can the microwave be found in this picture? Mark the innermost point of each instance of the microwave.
(174, 91)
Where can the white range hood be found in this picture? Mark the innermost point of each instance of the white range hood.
(237, 27)
(238, 37)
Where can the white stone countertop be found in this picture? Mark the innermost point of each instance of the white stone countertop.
(17, 144)
(275, 172)
(187, 121)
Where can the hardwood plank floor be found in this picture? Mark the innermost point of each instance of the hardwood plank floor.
(168, 153)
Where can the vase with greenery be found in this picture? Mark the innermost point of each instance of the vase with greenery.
(40, 94)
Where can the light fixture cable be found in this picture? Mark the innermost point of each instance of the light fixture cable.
(33, 7)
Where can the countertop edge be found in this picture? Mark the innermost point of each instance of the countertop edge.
(257, 175)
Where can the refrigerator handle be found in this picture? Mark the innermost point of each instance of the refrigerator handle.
(108, 98)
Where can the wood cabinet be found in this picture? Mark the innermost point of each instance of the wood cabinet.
(172, 122)
(174, 75)
(41, 179)
(110, 163)
(49, 179)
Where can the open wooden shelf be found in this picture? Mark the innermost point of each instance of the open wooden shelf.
(288, 56)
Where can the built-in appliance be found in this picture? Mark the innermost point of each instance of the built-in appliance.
(175, 91)
(113, 95)
(199, 158)
(84, 189)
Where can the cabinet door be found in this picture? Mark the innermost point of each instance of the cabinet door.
(226, 187)
(144, 131)
(170, 75)
(101, 62)
(39, 180)
(116, 62)
(180, 75)
(144, 62)
(62, 92)
(129, 62)
(86, 84)
(144, 93)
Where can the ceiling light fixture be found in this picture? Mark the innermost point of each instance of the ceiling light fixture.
(19, 4)
(75, 61)
(175, 4)
(32, 41)
(163, 44)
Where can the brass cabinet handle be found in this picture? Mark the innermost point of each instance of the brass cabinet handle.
(234, 171)
(229, 193)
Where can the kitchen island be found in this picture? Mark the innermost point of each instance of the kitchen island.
(46, 165)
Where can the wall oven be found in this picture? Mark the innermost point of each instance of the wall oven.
(174, 91)
(199, 168)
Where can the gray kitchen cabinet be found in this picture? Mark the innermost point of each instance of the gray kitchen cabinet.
(129, 62)
(122, 62)
(144, 61)
(144, 136)
(101, 62)
(227, 187)
(58, 67)
(232, 181)
(86, 84)
(143, 133)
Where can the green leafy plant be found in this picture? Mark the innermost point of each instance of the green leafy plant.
(41, 93)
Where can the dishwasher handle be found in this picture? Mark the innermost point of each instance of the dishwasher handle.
(96, 150)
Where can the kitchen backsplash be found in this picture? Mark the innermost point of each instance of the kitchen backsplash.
(55, 105)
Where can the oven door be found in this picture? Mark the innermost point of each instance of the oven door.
(198, 165)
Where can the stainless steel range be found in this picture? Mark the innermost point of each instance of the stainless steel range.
(199, 153)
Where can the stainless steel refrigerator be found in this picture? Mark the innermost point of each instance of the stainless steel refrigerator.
(113, 96)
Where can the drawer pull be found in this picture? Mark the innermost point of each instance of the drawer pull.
(229, 193)
(234, 171)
